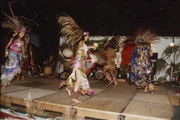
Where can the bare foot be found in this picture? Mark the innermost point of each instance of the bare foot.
(115, 84)
(110, 82)
(145, 89)
(17, 78)
(22, 78)
(121, 80)
(68, 91)
(151, 92)
(76, 100)
(9, 83)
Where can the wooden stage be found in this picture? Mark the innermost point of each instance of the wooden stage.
(42, 97)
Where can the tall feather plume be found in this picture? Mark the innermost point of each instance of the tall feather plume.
(145, 36)
(11, 21)
(101, 59)
(114, 41)
(69, 29)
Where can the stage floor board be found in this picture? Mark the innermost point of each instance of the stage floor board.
(41, 96)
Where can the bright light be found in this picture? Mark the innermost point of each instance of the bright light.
(171, 44)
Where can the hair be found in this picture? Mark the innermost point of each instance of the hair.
(75, 47)
(109, 44)
(83, 37)
(26, 36)
(16, 36)
(143, 43)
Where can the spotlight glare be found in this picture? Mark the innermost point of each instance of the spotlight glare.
(171, 44)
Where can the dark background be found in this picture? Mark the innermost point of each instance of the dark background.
(99, 17)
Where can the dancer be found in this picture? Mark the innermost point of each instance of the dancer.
(141, 66)
(77, 83)
(109, 69)
(28, 59)
(14, 50)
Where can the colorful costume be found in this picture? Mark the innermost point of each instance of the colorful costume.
(141, 67)
(12, 65)
(77, 82)
(79, 72)
(18, 26)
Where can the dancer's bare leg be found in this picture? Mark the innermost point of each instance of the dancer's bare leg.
(77, 86)
(69, 90)
(106, 75)
(9, 83)
(74, 96)
(115, 82)
(18, 77)
(23, 75)
(114, 78)
(146, 89)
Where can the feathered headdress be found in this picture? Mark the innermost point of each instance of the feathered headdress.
(101, 60)
(16, 23)
(69, 29)
(145, 36)
(12, 22)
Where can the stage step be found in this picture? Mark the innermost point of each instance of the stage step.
(23, 100)
(59, 102)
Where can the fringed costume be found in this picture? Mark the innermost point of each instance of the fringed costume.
(77, 83)
(141, 66)
(79, 72)
(109, 69)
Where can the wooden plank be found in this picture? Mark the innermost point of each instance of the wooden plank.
(23, 100)
(152, 98)
(5, 100)
(13, 88)
(99, 114)
(31, 94)
(174, 97)
(59, 102)
(149, 110)
(16, 103)
(108, 104)
(41, 105)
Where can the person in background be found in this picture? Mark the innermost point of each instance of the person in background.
(27, 62)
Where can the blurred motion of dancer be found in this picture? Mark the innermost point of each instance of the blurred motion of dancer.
(77, 83)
